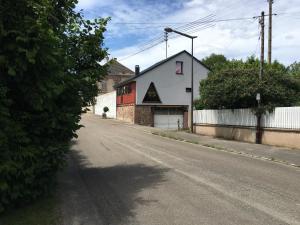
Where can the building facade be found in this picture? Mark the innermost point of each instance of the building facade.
(116, 74)
(107, 97)
(160, 96)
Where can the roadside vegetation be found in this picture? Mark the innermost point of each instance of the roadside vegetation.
(44, 211)
(233, 84)
(49, 66)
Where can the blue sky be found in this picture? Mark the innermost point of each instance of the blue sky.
(135, 23)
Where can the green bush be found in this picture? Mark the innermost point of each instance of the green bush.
(236, 83)
(105, 109)
(49, 67)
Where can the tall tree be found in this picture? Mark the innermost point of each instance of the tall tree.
(236, 84)
(294, 70)
(49, 66)
(215, 61)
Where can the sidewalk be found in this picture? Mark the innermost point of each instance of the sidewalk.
(278, 154)
(281, 155)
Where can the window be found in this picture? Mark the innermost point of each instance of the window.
(103, 86)
(119, 91)
(127, 89)
(179, 67)
(151, 95)
(124, 90)
(188, 89)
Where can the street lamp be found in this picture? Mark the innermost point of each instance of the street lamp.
(169, 30)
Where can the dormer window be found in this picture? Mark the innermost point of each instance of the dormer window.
(179, 67)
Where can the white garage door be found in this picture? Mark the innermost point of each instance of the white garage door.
(168, 118)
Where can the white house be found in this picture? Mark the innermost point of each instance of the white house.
(160, 95)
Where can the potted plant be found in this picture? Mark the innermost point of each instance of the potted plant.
(105, 110)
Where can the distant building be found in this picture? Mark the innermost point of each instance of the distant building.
(116, 74)
(107, 97)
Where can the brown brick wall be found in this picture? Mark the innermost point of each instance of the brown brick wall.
(126, 113)
(186, 120)
(144, 115)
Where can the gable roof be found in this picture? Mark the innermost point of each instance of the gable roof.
(116, 68)
(156, 65)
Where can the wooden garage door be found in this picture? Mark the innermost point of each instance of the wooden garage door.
(168, 118)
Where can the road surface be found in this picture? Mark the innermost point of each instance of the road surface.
(119, 174)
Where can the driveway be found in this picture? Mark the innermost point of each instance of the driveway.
(118, 174)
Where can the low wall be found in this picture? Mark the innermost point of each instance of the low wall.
(126, 113)
(278, 137)
(109, 100)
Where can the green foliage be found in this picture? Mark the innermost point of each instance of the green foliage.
(198, 104)
(236, 83)
(294, 70)
(49, 66)
(214, 61)
(44, 211)
(105, 109)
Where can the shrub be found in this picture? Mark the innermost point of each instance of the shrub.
(49, 66)
(105, 109)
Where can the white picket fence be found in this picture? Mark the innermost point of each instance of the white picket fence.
(281, 117)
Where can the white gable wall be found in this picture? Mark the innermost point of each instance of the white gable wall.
(171, 87)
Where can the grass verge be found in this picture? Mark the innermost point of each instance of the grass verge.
(44, 211)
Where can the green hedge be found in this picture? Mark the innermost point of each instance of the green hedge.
(49, 66)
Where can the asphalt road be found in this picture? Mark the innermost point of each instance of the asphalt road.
(119, 174)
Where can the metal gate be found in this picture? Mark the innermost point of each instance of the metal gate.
(168, 118)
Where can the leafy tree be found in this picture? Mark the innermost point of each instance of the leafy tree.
(215, 61)
(294, 70)
(236, 84)
(49, 67)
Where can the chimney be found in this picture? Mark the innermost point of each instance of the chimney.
(137, 70)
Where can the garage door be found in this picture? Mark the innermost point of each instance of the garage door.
(168, 118)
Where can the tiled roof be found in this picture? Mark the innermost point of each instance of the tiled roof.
(156, 65)
(116, 68)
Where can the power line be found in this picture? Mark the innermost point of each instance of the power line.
(159, 39)
(141, 51)
(258, 39)
(191, 27)
(170, 23)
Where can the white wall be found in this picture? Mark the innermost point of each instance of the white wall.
(109, 100)
(171, 87)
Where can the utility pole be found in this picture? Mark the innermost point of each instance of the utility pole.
(168, 29)
(262, 38)
(261, 71)
(166, 39)
(270, 32)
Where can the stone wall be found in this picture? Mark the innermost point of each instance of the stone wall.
(126, 113)
(185, 119)
(277, 137)
(144, 115)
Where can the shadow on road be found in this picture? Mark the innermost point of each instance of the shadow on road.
(109, 194)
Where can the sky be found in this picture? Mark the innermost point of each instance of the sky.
(137, 25)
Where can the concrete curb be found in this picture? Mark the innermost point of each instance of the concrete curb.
(223, 149)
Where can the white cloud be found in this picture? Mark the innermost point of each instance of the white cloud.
(234, 39)
(89, 4)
